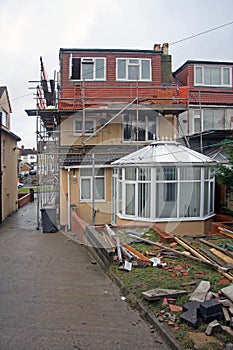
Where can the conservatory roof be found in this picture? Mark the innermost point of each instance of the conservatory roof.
(164, 153)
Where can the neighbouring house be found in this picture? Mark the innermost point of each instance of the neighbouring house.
(113, 106)
(209, 118)
(8, 159)
(28, 156)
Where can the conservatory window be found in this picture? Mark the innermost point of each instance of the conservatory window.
(166, 192)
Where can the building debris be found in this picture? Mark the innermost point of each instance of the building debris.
(213, 327)
(156, 294)
(201, 291)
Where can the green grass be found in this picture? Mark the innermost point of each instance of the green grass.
(139, 280)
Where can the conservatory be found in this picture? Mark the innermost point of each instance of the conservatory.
(163, 182)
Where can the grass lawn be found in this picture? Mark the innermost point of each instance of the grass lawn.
(179, 273)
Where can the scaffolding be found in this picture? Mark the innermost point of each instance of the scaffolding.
(54, 105)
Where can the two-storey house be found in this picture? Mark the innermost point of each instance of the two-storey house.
(113, 133)
(8, 159)
(209, 117)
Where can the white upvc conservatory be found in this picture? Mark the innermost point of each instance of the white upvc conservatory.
(164, 181)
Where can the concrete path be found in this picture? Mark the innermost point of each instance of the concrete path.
(53, 297)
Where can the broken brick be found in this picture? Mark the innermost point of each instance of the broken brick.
(175, 308)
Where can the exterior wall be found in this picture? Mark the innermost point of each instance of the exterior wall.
(112, 133)
(84, 209)
(111, 89)
(9, 178)
(182, 228)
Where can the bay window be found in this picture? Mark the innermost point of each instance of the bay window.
(166, 192)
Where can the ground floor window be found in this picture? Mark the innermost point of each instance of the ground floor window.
(90, 181)
(165, 192)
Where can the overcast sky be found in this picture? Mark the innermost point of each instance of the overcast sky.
(30, 29)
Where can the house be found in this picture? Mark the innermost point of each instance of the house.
(8, 159)
(28, 156)
(209, 118)
(110, 104)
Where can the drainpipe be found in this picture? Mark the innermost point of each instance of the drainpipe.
(68, 199)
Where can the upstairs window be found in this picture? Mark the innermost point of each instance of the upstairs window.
(212, 76)
(82, 68)
(78, 125)
(142, 128)
(208, 119)
(133, 69)
(4, 118)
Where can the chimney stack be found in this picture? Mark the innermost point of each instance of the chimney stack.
(165, 48)
(157, 47)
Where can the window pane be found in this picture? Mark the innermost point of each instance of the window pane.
(85, 172)
(166, 209)
(170, 173)
(85, 189)
(190, 199)
(99, 68)
(75, 73)
(99, 188)
(121, 69)
(78, 125)
(89, 125)
(144, 191)
(145, 68)
(190, 173)
(144, 174)
(127, 128)
(226, 76)
(198, 75)
(87, 70)
(130, 199)
(133, 72)
(130, 173)
(206, 197)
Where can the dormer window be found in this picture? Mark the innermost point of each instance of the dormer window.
(82, 68)
(212, 76)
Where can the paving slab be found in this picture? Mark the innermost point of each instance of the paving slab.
(53, 297)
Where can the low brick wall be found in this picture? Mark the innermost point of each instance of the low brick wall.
(23, 198)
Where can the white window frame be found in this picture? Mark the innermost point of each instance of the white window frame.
(4, 118)
(128, 64)
(90, 60)
(179, 181)
(202, 83)
(198, 114)
(86, 131)
(90, 178)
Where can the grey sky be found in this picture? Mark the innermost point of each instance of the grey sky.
(30, 29)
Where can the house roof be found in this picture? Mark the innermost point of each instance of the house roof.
(164, 153)
(27, 151)
(2, 89)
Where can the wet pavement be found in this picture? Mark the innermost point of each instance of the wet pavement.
(53, 297)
